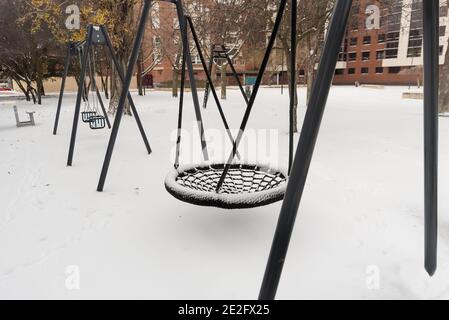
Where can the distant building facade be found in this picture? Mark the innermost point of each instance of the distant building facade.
(383, 45)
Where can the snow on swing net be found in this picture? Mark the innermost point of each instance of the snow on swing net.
(245, 185)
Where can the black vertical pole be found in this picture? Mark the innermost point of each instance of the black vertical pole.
(305, 148)
(236, 76)
(181, 104)
(61, 91)
(292, 81)
(124, 94)
(252, 99)
(122, 79)
(209, 79)
(196, 102)
(80, 93)
(431, 56)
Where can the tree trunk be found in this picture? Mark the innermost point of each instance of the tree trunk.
(175, 82)
(116, 91)
(310, 79)
(443, 101)
(139, 75)
(21, 87)
(223, 80)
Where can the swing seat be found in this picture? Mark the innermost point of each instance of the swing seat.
(97, 122)
(86, 115)
(245, 185)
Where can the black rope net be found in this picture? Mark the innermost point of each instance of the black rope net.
(245, 185)
(240, 179)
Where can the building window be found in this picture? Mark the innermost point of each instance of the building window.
(380, 55)
(394, 69)
(353, 41)
(443, 11)
(379, 70)
(367, 40)
(364, 70)
(339, 72)
(391, 36)
(381, 38)
(302, 72)
(351, 71)
(415, 33)
(365, 55)
(442, 31)
(414, 52)
(342, 57)
(415, 43)
(352, 56)
(441, 50)
(391, 54)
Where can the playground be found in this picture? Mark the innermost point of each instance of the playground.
(358, 234)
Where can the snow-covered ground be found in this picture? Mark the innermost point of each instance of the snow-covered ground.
(359, 232)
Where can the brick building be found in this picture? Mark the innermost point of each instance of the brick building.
(383, 45)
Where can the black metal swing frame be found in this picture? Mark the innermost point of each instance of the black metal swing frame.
(186, 62)
(95, 36)
(74, 49)
(219, 51)
(299, 167)
(309, 134)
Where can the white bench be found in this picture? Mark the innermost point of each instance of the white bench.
(24, 123)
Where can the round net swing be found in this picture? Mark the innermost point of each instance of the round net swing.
(245, 185)
(224, 185)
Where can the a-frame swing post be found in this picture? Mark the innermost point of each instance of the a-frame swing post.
(196, 103)
(122, 79)
(236, 76)
(94, 83)
(304, 152)
(252, 99)
(431, 56)
(103, 109)
(61, 91)
(84, 59)
(125, 91)
(209, 79)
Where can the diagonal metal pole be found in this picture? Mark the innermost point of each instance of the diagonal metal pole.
(234, 72)
(125, 92)
(209, 80)
(94, 83)
(103, 109)
(252, 99)
(293, 17)
(305, 148)
(61, 91)
(196, 103)
(431, 56)
(122, 79)
(80, 93)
